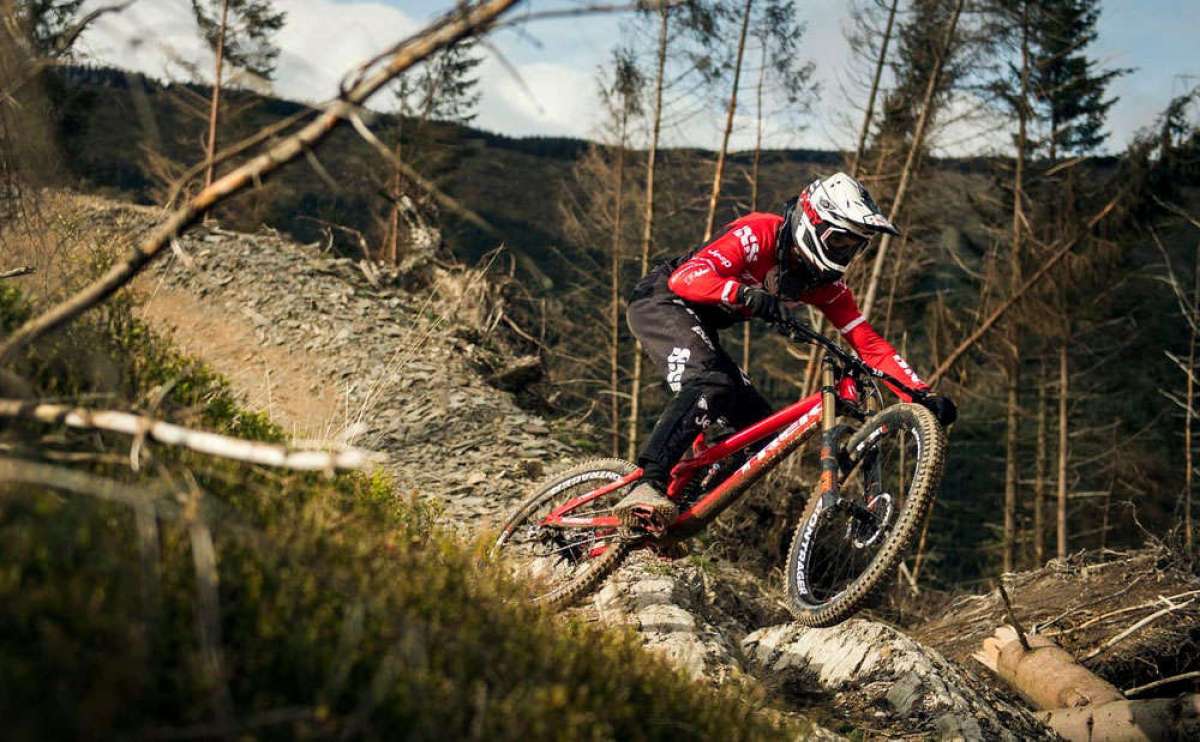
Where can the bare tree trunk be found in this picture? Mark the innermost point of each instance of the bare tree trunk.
(754, 170)
(1063, 396)
(393, 236)
(918, 142)
(1010, 473)
(1039, 479)
(856, 165)
(715, 194)
(1012, 468)
(214, 113)
(615, 296)
(635, 386)
(1189, 527)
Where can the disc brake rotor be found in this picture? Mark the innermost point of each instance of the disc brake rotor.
(862, 532)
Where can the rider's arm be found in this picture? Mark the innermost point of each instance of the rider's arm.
(837, 303)
(711, 275)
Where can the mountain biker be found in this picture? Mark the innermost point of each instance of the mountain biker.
(762, 264)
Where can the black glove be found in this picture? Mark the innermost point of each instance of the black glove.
(760, 303)
(942, 408)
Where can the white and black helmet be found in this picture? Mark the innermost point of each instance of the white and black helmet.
(835, 218)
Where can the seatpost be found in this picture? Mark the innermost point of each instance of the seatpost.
(828, 485)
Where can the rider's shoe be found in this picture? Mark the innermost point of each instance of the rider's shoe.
(646, 509)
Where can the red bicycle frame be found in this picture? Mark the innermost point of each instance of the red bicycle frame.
(790, 426)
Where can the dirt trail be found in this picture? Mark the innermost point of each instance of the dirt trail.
(278, 380)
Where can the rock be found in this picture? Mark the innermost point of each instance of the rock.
(518, 374)
(867, 663)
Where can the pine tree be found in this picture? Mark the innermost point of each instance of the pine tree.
(240, 33)
(445, 88)
(1068, 89)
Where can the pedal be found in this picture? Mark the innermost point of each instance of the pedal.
(651, 520)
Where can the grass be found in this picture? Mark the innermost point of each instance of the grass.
(341, 609)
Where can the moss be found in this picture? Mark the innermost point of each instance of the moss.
(342, 609)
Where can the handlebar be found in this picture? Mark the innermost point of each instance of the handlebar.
(799, 332)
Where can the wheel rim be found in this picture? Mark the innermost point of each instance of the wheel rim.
(549, 558)
(840, 543)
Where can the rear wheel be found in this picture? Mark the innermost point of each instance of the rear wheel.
(563, 564)
(843, 551)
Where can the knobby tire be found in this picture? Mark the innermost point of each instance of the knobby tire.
(600, 567)
(926, 480)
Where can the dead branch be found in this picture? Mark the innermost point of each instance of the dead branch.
(1012, 617)
(560, 13)
(68, 39)
(1118, 612)
(443, 198)
(213, 444)
(1171, 608)
(234, 150)
(1138, 690)
(450, 28)
(80, 483)
(24, 270)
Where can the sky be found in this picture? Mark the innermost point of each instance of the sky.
(553, 92)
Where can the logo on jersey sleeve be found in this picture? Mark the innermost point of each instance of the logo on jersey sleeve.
(907, 369)
(712, 252)
(749, 243)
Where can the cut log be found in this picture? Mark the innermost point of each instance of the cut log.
(1151, 720)
(1045, 675)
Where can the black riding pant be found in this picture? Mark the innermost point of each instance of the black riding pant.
(681, 338)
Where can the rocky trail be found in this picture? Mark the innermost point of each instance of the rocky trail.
(343, 352)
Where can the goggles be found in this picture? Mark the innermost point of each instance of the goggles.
(841, 245)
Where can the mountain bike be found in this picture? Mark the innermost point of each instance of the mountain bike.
(879, 470)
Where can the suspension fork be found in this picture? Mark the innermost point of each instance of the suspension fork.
(828, 483)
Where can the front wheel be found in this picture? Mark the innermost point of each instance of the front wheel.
(562, 564)
(842, 551)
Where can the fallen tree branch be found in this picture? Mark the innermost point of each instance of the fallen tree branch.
(1149, 719)
(452, 27)
(1120, 611)
(1171, 608)
(24, 270)
(213, 444)
(1138, 690)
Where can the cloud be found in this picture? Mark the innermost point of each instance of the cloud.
(323, 39)
(555, 99)
(320, 42)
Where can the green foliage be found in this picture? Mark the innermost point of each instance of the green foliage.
(246, 33)
(342, 610)
(14, 310)
(444, 87)
(1067, 86)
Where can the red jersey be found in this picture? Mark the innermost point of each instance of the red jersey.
(745, 254)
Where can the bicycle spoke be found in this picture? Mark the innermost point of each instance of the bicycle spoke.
(845, 538)
(549, 555)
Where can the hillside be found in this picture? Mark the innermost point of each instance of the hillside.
(123, 134)
(191, 596)
(332, 349)
(1125, 320)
